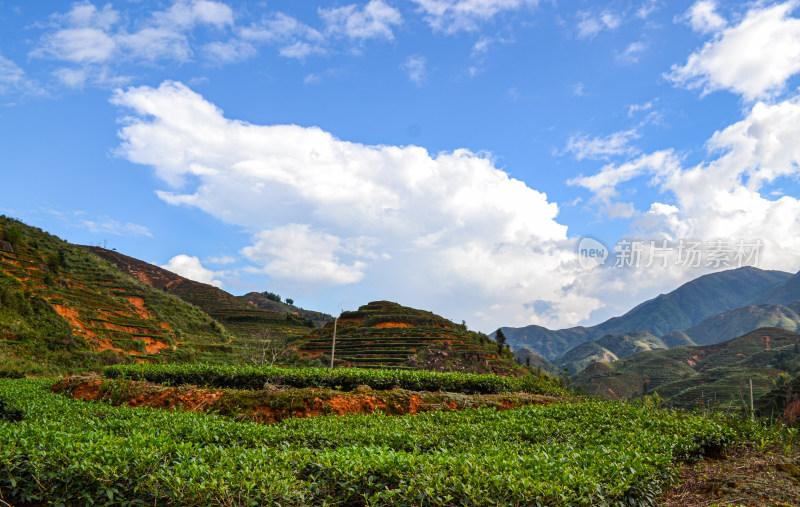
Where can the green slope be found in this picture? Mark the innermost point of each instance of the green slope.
(533, 360)
(262, 301)
(384, 333)
(784, 293)
(687, 377)
(714, 329)
(608, 348)
(243, 317)
(64, 308)
(742, 320)
(678, 310)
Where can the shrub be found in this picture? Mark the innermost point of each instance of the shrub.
(230, 377)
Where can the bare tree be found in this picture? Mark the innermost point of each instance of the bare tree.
(270, 347)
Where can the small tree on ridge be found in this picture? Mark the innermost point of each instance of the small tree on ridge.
(500, 338)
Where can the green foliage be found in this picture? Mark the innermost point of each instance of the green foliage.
(13, 235)
(712, 375)
(290, 301)
(9, 412)
(36, 339)
(500, 338)
(53, 261)
(387, 333)
(348, 379)
(272, 296)
(591, 453)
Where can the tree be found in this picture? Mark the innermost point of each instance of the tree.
(53, 262)
(272, 296)
(13, 235)
(500, 338)
(290, 301)
(271, 346)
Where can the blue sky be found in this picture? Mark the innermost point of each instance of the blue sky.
(445, 154)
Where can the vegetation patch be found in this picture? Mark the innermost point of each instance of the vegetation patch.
(274, 404)
(63, 309)
(9, 413)
(383, 332)
(586, 453)
(346, 379)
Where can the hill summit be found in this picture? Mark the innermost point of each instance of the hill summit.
(383, 333)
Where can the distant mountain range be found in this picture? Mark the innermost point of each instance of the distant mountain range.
(688, 377)
(709, 309)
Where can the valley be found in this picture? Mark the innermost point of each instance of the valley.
(419, 395)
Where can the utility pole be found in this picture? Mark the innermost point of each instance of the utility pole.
(333, 344)
(752, 412)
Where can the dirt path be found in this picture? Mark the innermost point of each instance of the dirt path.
(744, 477)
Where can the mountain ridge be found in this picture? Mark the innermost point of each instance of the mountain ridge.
(685, 376)
(680, 309)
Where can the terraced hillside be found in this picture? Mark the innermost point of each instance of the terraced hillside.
(260, 300)
(383, 333)
(711, 375)
(63, 307)
(245, 319)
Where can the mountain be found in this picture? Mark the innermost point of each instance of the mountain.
(679, 339)
(242, 316)
(742, 320)
(608, 348)
(714, 329)
(784, 293)
(383, 333)
(64, 308)
(548, 343)
(266, 301)
(533, 360)
(678, 310)
(687, 377)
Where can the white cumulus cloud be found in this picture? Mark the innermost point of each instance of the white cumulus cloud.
(297, 253)
(449, 230)
(753, 58)
(723, 197)
(190, 267)
(703, 17)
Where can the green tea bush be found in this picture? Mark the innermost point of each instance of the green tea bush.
(9, 413)
(347, 379)
(71, 452)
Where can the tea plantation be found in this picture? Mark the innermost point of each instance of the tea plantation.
(61, 451)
